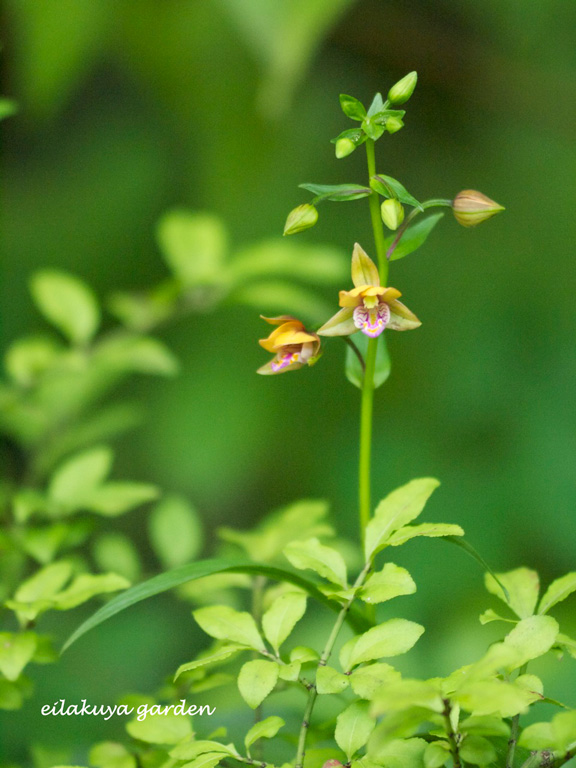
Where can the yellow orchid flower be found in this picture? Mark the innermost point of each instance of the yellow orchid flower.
(292, 345)
(368, 307)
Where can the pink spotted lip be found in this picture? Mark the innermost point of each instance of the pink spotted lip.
(284, 361)
(372, 321)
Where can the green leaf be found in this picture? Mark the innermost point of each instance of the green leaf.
(79, 476)
(398, 508)
(264, 729)
(389, 187)
(372, 128)
(160, 728)
(352, 108)
(257, 680)
(564, 729)
(289, 672)
(206, 760)
(477, 750)
(388, 583)
(8, 107)
(225, 623)
(16, 650)
(522, 585)
(467, 547)
(436, 754)
(199, 570)
(223, 653)
(113, 499)
(303, 655)
(138, 354)
(190, 750)
(365, 681)
(376, 106)
(11, 695)
(413, 237)
(87, 585)
(537, 736)
(44, 584)
(194, 246)
(490, 615)
(355, 371)
(485, 726)
(430, 530)
(355, 135)
(403, 694)
(353, 728)
(532, 637)
(337, 192)
(391, 638)
(68, 303)
(30, 357)
(488, 697)
(329, 680)
(111, 754)
(313, 555)
(175, 531)
(567, 644)
(116, 553)
(557, 591)
(282, 297)
(289, 258)
(402, 754)
(282, 616)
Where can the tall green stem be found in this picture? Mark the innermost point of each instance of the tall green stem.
(377, 227)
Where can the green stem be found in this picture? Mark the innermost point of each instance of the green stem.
(514, 730)
(258, 587)
(377, 226)
(313, 693)
(452, 737)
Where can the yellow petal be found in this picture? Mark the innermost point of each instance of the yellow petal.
(364, 271)
(279, 320)
(351, 298)
(341, 324)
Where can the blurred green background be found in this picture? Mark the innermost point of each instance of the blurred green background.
(130, 108)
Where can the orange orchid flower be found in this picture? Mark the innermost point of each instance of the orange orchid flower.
(292, 345)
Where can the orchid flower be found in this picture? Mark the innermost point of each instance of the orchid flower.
(292, 345)
(368, 307)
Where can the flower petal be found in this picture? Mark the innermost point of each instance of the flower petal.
(280, 319)
(350, 298)
(272, 368)
(372, 322)
(401, 318)
(364, 271)
(341, 324)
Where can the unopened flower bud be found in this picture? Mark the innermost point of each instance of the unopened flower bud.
(403, 89)
(394, 124)
(301, 218)
(392, 213)
(471, 208)
(344, 147)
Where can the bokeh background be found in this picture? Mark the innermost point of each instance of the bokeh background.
(128, 109)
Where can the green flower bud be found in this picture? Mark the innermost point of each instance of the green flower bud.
(394, 124)
(300, 218)
(471, 208)
(392, 213)
(403, 89)
(344, 147)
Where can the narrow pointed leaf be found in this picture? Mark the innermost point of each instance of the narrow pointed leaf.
(413, 237)
(557, 591)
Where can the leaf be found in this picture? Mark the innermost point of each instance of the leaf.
(8, 107)
(302, 654)
(490, 615)
(398, 508)
(329, 680)
(257, 680)
(113, 499)
(16, 650)
(388, 583)
(208, 760)
(66, 302)
(355, 371)
(210, 657)
(45, 583)
(225, 623)
(532, 637)
(430, 530)
(160, 728)
(559, 590)
(110, 754)
(135, 353)
(488, 697)
(436, 754)
(477, 750)
(376, 106)
(365, 681)
(353, 728)
(467, 547)
(337, 192)
(537, 736)
(115, 552)
(567, 644)
(403, 694)
(189, 750)
(313, 555)
(87, 585)
(402, 754)
(282, 616)
(391, 638)
(282, 297)
(30, 357)
(564, 729)
(413, 237)
(522, 585)
(389, 187)
(175, 531)
(79, 476)
(288, 258)
(193, 571)
(194, 246)
(264, 729)
(352, 108)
